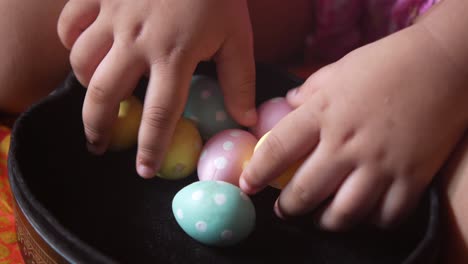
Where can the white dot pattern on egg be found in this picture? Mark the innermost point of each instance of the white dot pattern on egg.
(194, 119)
(244, 196)
(221, 216)
(235, 133)
(224, 155)
(179, 169)
(201, 226)
(180, 214)
(228, 145)
(197, 195)
(220, 199)
(205, 94)
(205, 104)
(220, 163)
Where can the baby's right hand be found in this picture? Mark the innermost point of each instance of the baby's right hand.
(115, 42)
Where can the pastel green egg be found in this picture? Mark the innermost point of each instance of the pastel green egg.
(215, 213)
(205, 106)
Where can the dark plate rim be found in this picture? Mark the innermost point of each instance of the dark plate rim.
(74, 250)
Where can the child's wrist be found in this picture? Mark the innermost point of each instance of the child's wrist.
(446, 26)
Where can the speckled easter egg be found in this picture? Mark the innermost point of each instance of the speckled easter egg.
(205, 106)
(224, 155)
(281, 181)
(125, 130)
(269, 114)
(215, 213)
(183, 152)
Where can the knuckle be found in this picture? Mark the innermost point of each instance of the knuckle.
(172, 53)
(63, 33)
(137, 31)
(178, 51)
(80, 67)
(132, 34)
(149, 152)
(274, 149)
(93, 134)
(300, 195)
(97, 94)
(158, 117)
(76, 61)
(64, 28)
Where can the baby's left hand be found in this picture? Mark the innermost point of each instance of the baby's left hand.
(374, 127)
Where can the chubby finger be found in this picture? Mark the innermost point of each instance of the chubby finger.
(316, 181)
(164, 102)
(116, 76)
(395, 204)
(280, 150)
(357, 196)
(90, 49)
(76, 17)
(236, 73)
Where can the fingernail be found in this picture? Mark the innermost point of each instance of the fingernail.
(247, 188)
(251, 115)
(278, 211)
(292, 93)
(145, 171)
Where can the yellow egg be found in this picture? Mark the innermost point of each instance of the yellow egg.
(5, 145)
(125, 131)
(286, 176)
(182, 156)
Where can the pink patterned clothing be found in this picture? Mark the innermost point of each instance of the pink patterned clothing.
(343, 25)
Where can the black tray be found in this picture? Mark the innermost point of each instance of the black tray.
(74, 207)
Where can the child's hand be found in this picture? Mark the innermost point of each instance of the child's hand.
(375, 127)
(115, 42)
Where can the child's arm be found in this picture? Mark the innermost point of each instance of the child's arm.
(447, 24)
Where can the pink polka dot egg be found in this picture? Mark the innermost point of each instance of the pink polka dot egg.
(225, 155)
(270, 113)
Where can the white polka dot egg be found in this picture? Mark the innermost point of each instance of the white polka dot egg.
(224, 155)
(214, 213)
(205, 106)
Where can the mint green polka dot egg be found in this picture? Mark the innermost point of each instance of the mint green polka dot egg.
(215, 213)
